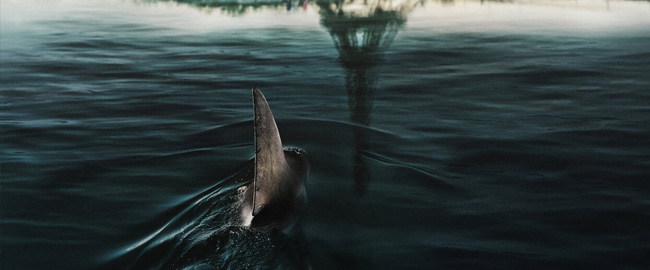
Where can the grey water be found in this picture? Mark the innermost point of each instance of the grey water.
(441, 134)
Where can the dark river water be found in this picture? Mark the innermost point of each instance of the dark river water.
(441, 134)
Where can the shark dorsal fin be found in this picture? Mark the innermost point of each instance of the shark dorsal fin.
(270, 163)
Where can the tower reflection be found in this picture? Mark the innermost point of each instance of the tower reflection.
(362, 32)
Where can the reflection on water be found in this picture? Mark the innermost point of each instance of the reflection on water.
(362, 32)
(238, 7)
(230, 7)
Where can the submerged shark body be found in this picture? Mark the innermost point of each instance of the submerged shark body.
(278, 190)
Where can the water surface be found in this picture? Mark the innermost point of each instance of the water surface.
(441, 134)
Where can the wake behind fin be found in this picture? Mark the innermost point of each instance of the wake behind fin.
(271, 167)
